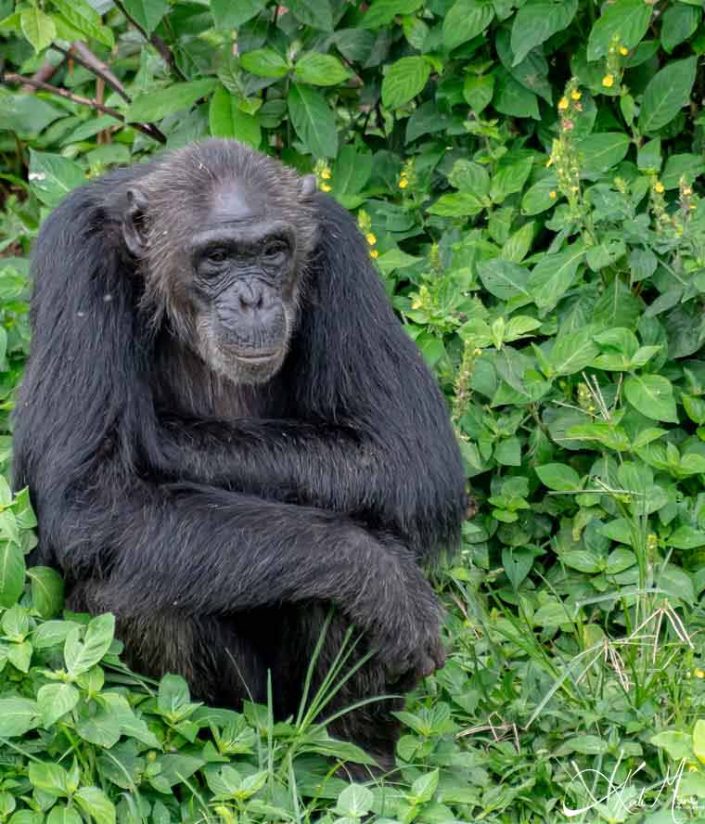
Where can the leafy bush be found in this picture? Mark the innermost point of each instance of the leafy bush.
(528, 176)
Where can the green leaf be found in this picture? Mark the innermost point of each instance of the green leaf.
(538, 20)
(469, 177)
(625, 20)
(504, 279)
(678, 24)
(17, 716)
(478, 91)
(382, 12)
(320, 69)
(313, 121)
(602, 151)
(85, 19)
(666, 94)
(264, 63)
(61, 814)
(572, 352)
(55, 700)
(173, 694)
(559, 477)
(404, 80)
(47, 590)
(148, 13)
(464, 20)
(460, 204)
(314, 13)
(699, 740)
(12, 571)
(80, 656)
(425, 786)
(652, 395)
(229, 15)
(226, 119)
(95, 802)
(678, 745)
(152, 106)
(37, 27)
(554, 275)
(354, 802)
(49, 778)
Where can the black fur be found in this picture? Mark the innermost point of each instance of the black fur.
(216, 519)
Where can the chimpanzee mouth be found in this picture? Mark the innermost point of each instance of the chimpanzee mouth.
(258, 357)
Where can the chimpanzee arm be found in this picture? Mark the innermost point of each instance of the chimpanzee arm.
(373, 438)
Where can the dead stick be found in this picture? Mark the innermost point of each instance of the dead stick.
(18, 79)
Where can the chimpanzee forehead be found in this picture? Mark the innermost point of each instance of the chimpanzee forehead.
(232, 202)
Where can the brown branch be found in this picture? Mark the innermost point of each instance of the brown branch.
(164, 50)
(44, 73)
(18, 79)
(79, 52)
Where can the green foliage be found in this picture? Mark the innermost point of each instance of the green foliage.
(527, 174)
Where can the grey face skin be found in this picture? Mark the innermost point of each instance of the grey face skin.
(244, 284)
(236, 282)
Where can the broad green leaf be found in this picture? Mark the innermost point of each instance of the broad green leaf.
(17, 716)
(355, 802)
(37, 27)
(425, 786)
(667, 93)
(226, 119)
(652, 395)
(314, 13)
(148, 13)
(678, 745)
(313, 120)
(95, 803)
(460, 204)
(264, 63)
(79, 655)
(47, 588)
(572, 352)
(699, 740)
(504, 279)
(541, 196)
(83, 17)
(49, 778)
(469, 177)
(538, 20)
(678, 24)
(229, 15)
(55, 700)
(61, 814)
(152, 106)
(12, 571)
(554, 275)
(320, 69)
(382, 12)
(559, 477)
(404, 80)
(464, 20)
(513, 99)
(478, 91)
(602, 151)
(623, 20)
(173, 694)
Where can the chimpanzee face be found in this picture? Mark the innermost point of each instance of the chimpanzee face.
(244, 285)
(229, 283)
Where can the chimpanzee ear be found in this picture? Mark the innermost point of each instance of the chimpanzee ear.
(308, 187)
(134, 223)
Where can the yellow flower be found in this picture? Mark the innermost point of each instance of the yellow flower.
(563, 104)
(370, 238)
(659, 187)
(553, 194)
(698, 673)
(608, 81)
(576, 95)
(403, 182)
(374, 254)
(326, 187)
(416, 303)
(325, 173)
(624, 51)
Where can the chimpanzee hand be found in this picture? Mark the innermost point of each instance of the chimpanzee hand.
(407, 633)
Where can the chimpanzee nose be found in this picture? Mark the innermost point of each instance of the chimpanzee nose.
(252, 297)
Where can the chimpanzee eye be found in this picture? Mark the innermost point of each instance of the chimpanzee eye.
(274, 249)
(216, 255)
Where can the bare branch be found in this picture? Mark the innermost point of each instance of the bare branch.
(18, 79)
(164, 50)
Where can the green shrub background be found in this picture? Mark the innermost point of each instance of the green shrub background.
(527, 174)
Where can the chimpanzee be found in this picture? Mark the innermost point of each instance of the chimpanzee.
(227, 434)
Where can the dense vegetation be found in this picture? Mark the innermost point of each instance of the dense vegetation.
(526, 173)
